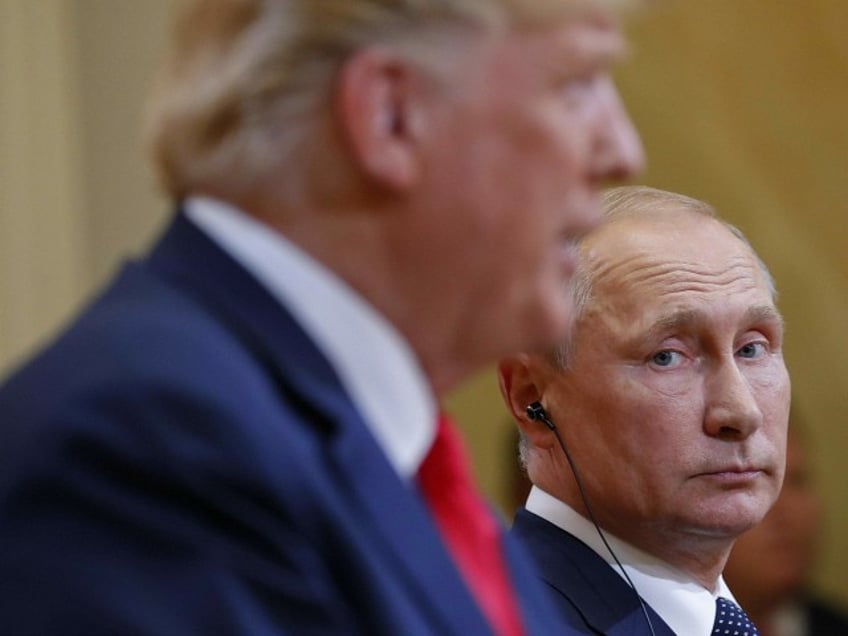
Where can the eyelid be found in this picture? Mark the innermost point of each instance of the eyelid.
(582, 80)
(678, 360)
(770, 329)
(763, 345)
(770, 338)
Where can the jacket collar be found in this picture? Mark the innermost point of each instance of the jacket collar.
(584, 580)
(188, 259)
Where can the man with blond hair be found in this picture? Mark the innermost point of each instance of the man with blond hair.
(241, 435)
(657, 434)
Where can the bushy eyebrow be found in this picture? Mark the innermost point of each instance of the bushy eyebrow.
(673, 322)
(764, 313)
(688, 317)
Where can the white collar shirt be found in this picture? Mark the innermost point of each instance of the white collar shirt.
(685, 605)
(376, 365)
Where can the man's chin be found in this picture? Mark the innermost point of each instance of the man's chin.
(730, 526)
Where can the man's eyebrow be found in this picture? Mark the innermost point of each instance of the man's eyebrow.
(673, 322)
(688, 317)
(592, 49)
(598, 57)
(764, 313)
(665, 325)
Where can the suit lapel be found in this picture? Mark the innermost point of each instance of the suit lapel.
(602, 598)
(384, 506)
(399, 517)
(538, 614)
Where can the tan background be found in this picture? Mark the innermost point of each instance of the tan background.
(740, 102)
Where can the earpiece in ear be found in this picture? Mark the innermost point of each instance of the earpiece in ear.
(536, 413)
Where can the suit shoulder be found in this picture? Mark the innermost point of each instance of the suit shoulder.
(147, 375)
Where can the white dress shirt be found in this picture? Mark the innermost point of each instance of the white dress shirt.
(375, 364)
(684, 604)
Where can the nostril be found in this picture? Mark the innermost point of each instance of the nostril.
(729, 432)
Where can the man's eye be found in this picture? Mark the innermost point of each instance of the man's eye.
(751, 350)
(577, 89)
(666, 358)
(576, 84)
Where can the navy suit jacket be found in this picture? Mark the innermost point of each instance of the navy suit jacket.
(183, 460)
(591, 596)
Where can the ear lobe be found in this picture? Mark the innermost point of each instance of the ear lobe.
(374, 108)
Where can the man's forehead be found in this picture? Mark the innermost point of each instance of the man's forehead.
(641, 281)
(639, 265)
(658, 236)
(587, 38)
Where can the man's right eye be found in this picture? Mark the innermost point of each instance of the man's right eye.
(666, 358)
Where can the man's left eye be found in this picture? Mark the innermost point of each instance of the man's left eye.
(665, 358)
(751, 350)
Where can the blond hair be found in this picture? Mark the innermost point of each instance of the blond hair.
(248, 82)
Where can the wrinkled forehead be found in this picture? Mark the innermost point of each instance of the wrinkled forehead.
(667, 256)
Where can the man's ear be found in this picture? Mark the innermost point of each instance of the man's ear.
(376, 110)
(521, 384)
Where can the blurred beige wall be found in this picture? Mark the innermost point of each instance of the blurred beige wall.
(75, 192)
(740, 102)
(40, 180)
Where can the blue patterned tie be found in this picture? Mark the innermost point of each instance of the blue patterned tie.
(731, 620)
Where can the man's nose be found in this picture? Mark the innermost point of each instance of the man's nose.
(620, 152)
(732, 411)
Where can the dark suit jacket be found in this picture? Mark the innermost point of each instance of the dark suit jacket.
(591, 596)
(184, 461)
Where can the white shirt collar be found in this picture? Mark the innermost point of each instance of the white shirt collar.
(374, 362)
(685, 605)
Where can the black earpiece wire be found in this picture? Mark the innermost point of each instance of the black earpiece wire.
(537, 412)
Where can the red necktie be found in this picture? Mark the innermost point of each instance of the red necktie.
(466, 525)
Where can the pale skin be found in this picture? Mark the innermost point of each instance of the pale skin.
(675, 402)
(458, 198)
(772, 564)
